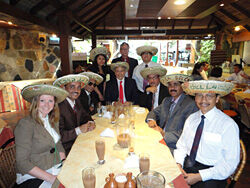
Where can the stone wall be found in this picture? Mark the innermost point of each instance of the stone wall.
(23, 58)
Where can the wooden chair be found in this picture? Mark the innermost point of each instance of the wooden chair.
(8, 167)
(243, 156)
(245, 117)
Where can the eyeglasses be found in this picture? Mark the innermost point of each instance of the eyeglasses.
(91, 83)
(176, 84)
(208, 96)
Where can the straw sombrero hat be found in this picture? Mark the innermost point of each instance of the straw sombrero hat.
(158, 70)
(207, 86)
(96, 51)
(113, 66)
(98, 79)
(62, 81)
(153, 50)
(31, 91)
(175, 77)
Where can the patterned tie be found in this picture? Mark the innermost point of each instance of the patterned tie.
(196, 140)
(121, 92)
(153, 101)
(145, 81)
(171, 107)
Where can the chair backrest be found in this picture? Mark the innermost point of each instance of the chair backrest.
(245, 117)
(8, 166)
(243, 157)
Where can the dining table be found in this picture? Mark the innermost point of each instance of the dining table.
(146, 140)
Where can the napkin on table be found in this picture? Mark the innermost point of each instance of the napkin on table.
(107, 115)
(108, 133)
(132, 161)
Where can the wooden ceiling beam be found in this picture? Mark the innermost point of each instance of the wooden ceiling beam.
(173, 25)
(221, 22)
(247, 27)
(39, 6)
(123, 13)
(84, 5)
(241, 22)
(190, 23)
(99, 6)
(15, 12)
(210, 22)
(240, 9)
(229, 15)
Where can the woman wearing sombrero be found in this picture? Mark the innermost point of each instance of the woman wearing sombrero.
(39, 152)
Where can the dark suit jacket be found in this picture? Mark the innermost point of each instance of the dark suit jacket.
(132, 64)
(69, 121)
(85, 101)
(33, 145)
(130, 89)
(173, 124)
(145, 100)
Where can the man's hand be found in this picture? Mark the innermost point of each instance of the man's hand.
(91, 125)
(182, 171)
(84, 128)
(192, 178)
(157, 128)
(152, 123)
(151, 89)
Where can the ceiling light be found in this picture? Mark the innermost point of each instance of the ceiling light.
(169, 18)
(10, 23)
(237, 28)
(209, 35)
(179, 2)
(131, 5)
(222, 4)
(159, 18)
(53, 35)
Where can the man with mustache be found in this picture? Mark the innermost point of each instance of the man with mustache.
(208, 150)
(169, 117)
(74, 120)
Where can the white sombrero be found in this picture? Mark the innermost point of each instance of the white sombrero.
(60, 82)
(153, 50)
(91, 75)
(175, 77)
(30, 91)
(113, 66)
(97, 51)
(158, 70)
(207, 86)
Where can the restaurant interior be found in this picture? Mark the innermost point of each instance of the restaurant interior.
(37, 46)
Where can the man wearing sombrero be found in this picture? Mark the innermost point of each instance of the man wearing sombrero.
(122, 88)
(74, 120)
(88, 97)
(208, 150)
(155, 92)
(169, 117)
(146, 53)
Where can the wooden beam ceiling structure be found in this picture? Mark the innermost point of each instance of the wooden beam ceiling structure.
(106, 18)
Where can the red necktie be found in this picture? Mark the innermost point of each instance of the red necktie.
(121, 92)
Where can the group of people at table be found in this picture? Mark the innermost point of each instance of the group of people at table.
(203, 140)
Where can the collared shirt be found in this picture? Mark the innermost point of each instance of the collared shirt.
(237, 77)
(219, 144)
(118, 83)
(72, 104)
(137, 75)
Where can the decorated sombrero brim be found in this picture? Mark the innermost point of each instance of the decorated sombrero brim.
(91, 75)
(207, 86)
(30, 91)
(62, 81)
(113, 66)
(153, 50)
(97, 51)
(175, 77)
(153, 70)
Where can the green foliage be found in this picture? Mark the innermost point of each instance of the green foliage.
(205, 50)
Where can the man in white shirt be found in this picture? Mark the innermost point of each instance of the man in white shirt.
(237, 75)
(74, 120)
(122, 88)
(208, 150)
(146, 53)
(169, 117)
(155, 92)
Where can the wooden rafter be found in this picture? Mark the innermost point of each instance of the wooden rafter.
(228, 14)
(39, 6)
(190, 23)
(156, 23)
(93, 9)
(173, 25)
(218, 20)
(123, 13)
(84, 5)
(210, 22)
(241, 9)
(247, 27)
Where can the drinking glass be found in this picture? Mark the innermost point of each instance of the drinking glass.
(99, 109)
(100, 151)
(88, 177)
(150, 179)
(144, 162)
(123, 133)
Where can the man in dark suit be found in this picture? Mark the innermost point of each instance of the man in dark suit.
(155, 92)
(169, 117)
(124, 49)
(122, 88)
(88, 97)
(74, 120)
